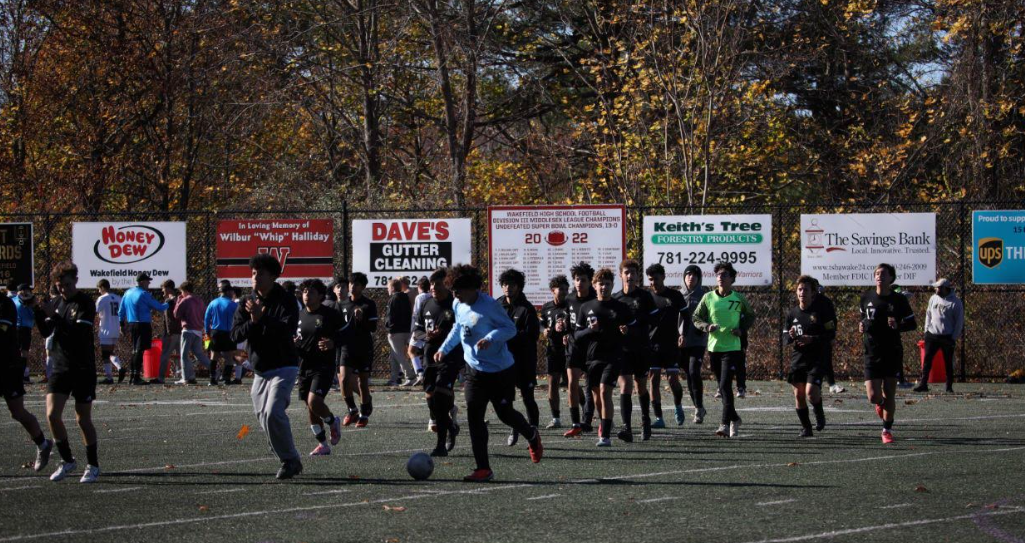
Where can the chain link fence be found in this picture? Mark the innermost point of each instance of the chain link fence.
(994, 332)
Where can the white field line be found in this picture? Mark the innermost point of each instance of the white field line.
(877, 527)
(777, 502)
(896, 506)
(223, 491)
(663, 499)
(20, 487)
(116, 490)
(545, 497)
(325, 492)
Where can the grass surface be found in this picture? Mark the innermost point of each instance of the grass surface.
(174, 469)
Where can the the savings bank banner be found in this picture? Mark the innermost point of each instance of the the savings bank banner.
(119, 251)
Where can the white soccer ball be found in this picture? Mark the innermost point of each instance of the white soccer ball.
(420, 466)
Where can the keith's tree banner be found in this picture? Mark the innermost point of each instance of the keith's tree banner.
(679, 241)
(844, 250)
(118, 251)
(388, 248)
(545, 241)
(304, 247)
(998, 247)
(16, 255)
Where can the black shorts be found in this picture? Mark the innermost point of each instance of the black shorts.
(24, 338)
(575, 358)
(220, 342)
(81, 384)
(604, 373)
(556, 363)
(526, 374)
(495, 388)
(804, 375)
(317, 381)
(665, 358)
(11, 381)
(883, 366)
(142, 336)
(361, 362)
(636, 363)
(443, 376)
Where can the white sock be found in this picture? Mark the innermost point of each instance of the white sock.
(116, 361)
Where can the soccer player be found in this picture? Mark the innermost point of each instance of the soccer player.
(136, 307)
(523, 345)
(724, 315)
(811, 325)
(555, 325)
(217, 322)
(320, 329)
(884, 315)
(357, 353)
(415, 351)
(693, 342)
(483, 328)
(602, 324)
(171, 338)
(432, 323)
(944, 322)
(267, 322)
(107, 306)
(189, 313)
(827, 349)
(636, 350)
(12, 385)
(24, 300)
(665, 338)
(576, 365)
(70, 320)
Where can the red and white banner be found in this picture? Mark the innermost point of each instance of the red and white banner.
(304, 247)
(389, 248)
(545, 241)
(119, 251)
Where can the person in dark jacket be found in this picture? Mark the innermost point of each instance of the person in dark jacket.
(397, 322)
(693, 342)
(524, 345)
(267, 321)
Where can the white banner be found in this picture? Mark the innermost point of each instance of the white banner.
(844, 250)
(384, 249)
(678, 241)
(545, 241)
(118, 251)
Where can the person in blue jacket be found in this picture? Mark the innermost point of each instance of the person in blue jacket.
(217, 323)
(136, 310)
(24, 301)
(483, 327)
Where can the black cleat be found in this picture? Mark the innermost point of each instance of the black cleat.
(646, 431)
(820, 423)
(439, 451)
(450, 439)
(289, 469)
(626, 435)
(805, 432)
(586, 427)
(121, 373)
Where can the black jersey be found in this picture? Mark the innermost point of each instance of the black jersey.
(523, 345)
(818, 323)
(662, 328)
(434, 321)
(10, 354)
(573, 304)
(322, 323)
(72, 329)
(606, 343)
(551, 314)
(881, 340)
(642, 307)
(362, 340)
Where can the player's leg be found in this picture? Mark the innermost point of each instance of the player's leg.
(14, 396)
(695, 383)
(55, 403)
(84, 417)
(554, 382)
(813, 390)
(889, 390)
(947, 348)
(605, 378)
(644, 397)
(655, 391)
(626, 405)
(801, 405)
(349, 380)
(366, 401)
(477, 399)
(740, 372)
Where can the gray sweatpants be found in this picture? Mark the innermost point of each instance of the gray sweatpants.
(169, 344)
(271, 393)
(192, 343)
(400, 365)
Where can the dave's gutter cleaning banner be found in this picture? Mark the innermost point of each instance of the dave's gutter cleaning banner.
(545, 241)
(16, 254)
(119, 251)
(998, 247)
(384, 249)
(844, 250)
(678, 241)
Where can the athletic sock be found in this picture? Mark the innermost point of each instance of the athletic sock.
(606, 428)
(677, 389)
(350, 402)
(213, 371)
(887, 424)
(574, 415)
(645, 398)
(803, 415)
(365, 409)
(588, 408)
(116, 361)
(820, 414)
(318, 432)
(39, 439)
(553, 404)
(64, 448)
(656, 407)
(626, 408)
(91, 455)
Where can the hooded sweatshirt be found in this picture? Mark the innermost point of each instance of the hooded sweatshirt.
(692, 336)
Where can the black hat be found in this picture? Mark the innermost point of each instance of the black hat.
(143, 277)
(23, 286)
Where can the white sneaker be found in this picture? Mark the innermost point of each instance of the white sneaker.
(603, 442)
(735, 428)
(432, 426)
(718, 394)
(699, 415)
(63, 470)
(90, 475)
(837, 389)
(556, 423)
(741, 392)
(723, 431)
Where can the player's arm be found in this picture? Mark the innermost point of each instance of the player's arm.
(241, 325)
(503, 327)
(905, 316)
(702, 316)
(371, 317)
(152, 302)
(747, 315)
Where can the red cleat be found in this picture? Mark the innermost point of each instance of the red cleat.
(887, 437)
(362, 422)
(536, 451)
(879, 410)
(349, 419)
(479, 476)
(573, 432)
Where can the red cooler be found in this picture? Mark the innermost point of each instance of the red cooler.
(151, 361)
(938, 373)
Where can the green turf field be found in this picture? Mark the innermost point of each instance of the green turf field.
(175, 470)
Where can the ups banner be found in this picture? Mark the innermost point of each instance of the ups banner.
(998, 247)
(16, 255)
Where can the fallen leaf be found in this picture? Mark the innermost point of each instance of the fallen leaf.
(354, 477)
(397, 508)
(910, 402)
(169, 466)
(243, 432)
(792, 465)
(837, 401)
(921, 488)
(392, 540)
(993, 506)
(204, 508)
(26, 465)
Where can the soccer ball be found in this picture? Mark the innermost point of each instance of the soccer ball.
(420, 466)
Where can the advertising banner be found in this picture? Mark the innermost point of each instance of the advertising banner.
(844, 250)
(678, 241)
(545, 241)
(16, 254)
(304, 247)
(387, 248)
(119, 251)
(998, 247)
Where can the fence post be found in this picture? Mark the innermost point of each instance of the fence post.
(963, 285)
(345, 238)
(780, 286)
(211, 264)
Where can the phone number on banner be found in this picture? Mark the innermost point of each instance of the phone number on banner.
(707, 257)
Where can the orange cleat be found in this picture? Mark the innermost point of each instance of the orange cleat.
(350, 418)
(479, 476)
(536, 451)
(362, 422)
(573, 432)
(887, 437)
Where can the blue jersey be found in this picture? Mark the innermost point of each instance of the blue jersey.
(26, 317)
(219, 314)
(137, 306)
